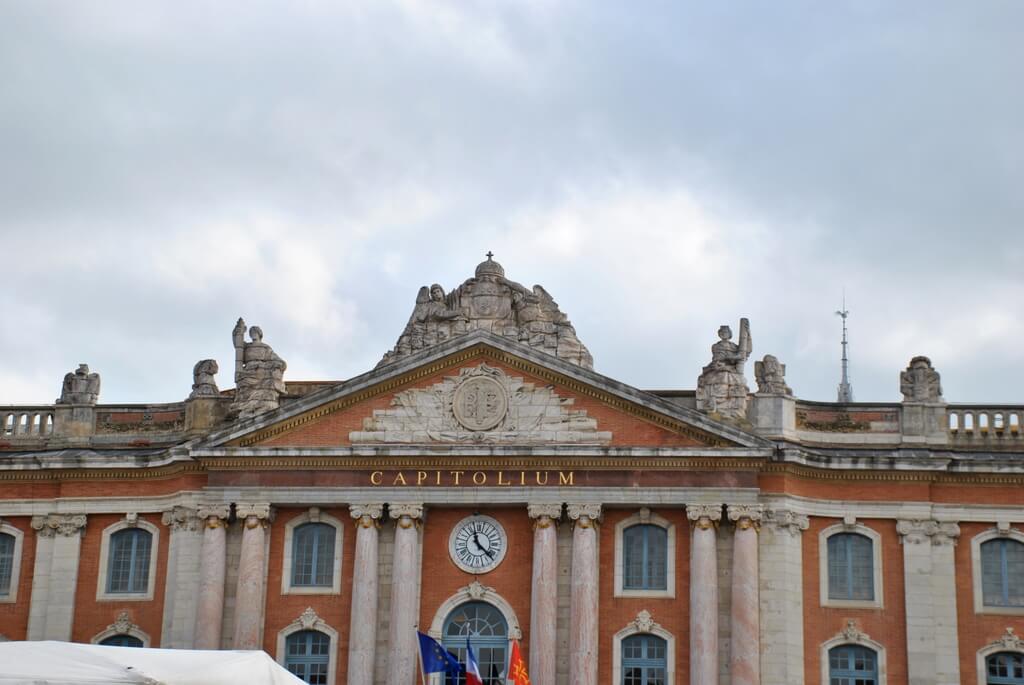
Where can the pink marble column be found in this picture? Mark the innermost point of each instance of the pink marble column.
(745, 655)
(544, 591)
(212, 566)
(704, 594)
(583, 617)
(251, 569)
(362, 641)
(405, 605)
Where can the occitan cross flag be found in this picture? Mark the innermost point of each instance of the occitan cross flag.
(517, 667)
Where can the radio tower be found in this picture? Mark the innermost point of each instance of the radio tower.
(845, 389)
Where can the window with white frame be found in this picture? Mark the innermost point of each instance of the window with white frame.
(312, 554)
(997, 562)
(851, 566)
(122, 641)
(643, 660)
(308, 656)
(6, 563)
(128, 553)
(852, 665)
(1004, 668)
(645, 556)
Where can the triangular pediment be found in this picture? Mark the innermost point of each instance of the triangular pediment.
(481, 389)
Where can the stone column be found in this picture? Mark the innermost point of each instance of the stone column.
(403, 654)
(55, 576)
(782, 597)
(212, 567)
(930, 595)
(704, 594)
(183, 553)
(745, 628)
(362, 641)
(583, 601)
(251, 572)
(544, 591)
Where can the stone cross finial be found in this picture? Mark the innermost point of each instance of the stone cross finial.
(489, 255)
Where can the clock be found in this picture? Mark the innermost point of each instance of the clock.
(477, 544)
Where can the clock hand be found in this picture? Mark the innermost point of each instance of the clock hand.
(476, 541)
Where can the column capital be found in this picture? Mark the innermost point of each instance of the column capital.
(180, 519)
(704, 516)
(916, 532)
(64, 525)
(785, 519)
(214, 515)
(538, 512)
(403, 510)
(584, 514)
(254, 514)
(745, 515)
(366, 515)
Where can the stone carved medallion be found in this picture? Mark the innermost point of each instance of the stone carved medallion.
(480, 403)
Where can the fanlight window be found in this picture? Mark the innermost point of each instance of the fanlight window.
(6, 563)
(313, 555)
(487, 629)
(851, 567)
(643, 660)
(308, 655)
(1005, 668)
(128, 566)
(1002, 573)
(645, 558)
(122, 641)
(852, 665)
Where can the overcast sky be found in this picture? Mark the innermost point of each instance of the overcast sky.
(661, 168)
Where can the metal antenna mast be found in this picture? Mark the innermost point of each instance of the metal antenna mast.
(845, 389)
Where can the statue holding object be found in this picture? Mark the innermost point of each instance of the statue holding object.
(80, 387)
(722, 388)
(259, 374)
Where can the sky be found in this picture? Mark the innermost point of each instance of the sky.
(661, 168)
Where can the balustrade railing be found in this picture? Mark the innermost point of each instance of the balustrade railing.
(985, 421)
(26, 422)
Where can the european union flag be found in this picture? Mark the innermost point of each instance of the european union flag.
(435, 658)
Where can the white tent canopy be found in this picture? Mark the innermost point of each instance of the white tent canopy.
(71, 663)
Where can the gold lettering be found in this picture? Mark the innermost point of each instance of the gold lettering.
(420, 477)
(438, 477)
(377, 477)
(479, 478)
(399, 479)
(522, 477)
(501, 479)
(565, 480)
(537, 475)
(457, 474)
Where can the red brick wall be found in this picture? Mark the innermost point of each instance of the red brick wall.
(93, 616)
(886, 625)
(14, 615)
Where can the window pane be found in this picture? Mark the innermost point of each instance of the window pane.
(313, 555)
(128, 563)
(851, 567)
(633, 557)
(1014, 573)
(122, 641)
(308, 655)
(6, 562)
(657, 558)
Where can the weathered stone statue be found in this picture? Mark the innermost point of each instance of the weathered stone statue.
(771, 376)
(920, 382)
(203, 382)
(80, 387)
(722, 388)
(493, 303)
(259, 374)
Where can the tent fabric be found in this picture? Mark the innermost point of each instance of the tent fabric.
(71, 663)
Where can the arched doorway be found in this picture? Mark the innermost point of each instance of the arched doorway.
(487, 628)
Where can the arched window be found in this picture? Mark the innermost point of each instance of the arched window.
(645, 558)
(487, 629)
(851, 567)
(1005, 668)
(122, 641)
(313, 555)
(6, 563)
(128, 566)
(643, 660)
(308, 655)
(1002, 573)
(852, 665)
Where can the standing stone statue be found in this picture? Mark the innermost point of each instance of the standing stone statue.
(721, 388)
(920, 382)
(203, 382)
(259, 374)
(771, 376)
(80, 387)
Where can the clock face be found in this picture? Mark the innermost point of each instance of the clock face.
(477, 544)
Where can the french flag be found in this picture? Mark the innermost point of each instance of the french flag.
(472, 667)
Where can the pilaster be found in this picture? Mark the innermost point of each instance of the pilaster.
(55, 575)
(180, 597)
(781, 596)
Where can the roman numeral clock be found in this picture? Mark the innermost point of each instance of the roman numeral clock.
(477, 544)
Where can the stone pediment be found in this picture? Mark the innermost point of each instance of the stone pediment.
(481, 389)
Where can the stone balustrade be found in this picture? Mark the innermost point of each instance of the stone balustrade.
(26, 421)
(977, 423)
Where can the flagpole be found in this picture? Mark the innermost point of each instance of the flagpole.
(419, 651)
